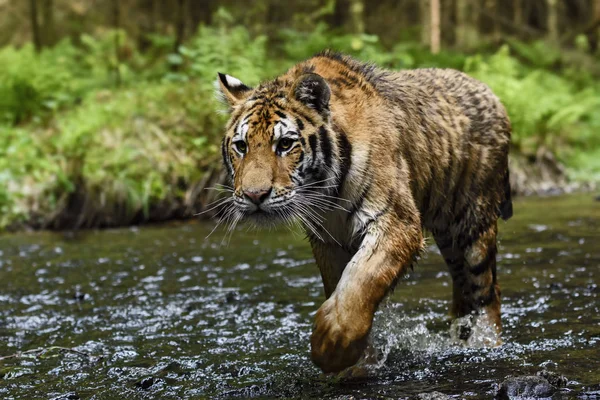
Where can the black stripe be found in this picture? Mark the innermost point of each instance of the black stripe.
(443, 241)
(454, 262)
(379, 214)
(345, 156)
(312, 141)
(484, 265)
(325, 143)
(277, 106)
(266, 115)
(307, 118)
(234, 120)
(255, 105)
(363, 194)
(449, 168)
(235, 128)
(224, 147)
(300, 124)
(280, 114)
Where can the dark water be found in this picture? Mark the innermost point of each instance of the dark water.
(159, 312)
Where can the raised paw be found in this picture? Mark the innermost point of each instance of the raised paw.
(340, 336)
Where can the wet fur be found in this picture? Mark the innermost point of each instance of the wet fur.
(404, 151)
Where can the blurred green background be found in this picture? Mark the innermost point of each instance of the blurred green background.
(107, 113)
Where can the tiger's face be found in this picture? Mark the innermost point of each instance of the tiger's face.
(278, 149)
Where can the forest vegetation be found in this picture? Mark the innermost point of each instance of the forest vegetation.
(107, 113)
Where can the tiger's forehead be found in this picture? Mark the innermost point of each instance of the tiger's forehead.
(264, 124)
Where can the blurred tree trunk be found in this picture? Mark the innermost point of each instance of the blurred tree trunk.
(117, 26)
(153, 24)
(462, 28)
(35, 27)
(340, 14)
(179, 24)
(594, 35)
(435, 26)
(447, 22)
(552, 23)
(349, 15)
(201, 12)
(492, 9)
(357, 9)
(518, 12)
(49, 35)
(425, 16)
(474, 17)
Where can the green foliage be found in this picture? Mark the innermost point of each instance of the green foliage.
(66, 128)
(127, 149)
(545, 108)
(223, 49)
(34, 86)
(31, 84)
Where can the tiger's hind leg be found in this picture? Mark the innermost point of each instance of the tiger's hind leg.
(472, 265)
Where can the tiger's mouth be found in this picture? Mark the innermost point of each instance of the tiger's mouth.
(270, 209)
(268, 216)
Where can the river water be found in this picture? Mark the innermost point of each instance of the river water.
(162, 312)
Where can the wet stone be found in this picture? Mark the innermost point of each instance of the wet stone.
(522, 387)
(68, 396)
(555, 379)
(556, 285)
(79, 296)
(432, 396)
(231, 297)
(590, 392)
(145, 383)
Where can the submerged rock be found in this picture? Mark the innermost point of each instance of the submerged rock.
(590, 392)
(432, 396)
(145, 383)
(521, 387)
(555, 379)
(68, 396)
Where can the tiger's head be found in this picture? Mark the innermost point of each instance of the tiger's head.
(279, 150)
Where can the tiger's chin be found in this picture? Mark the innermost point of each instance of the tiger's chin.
(262, 218)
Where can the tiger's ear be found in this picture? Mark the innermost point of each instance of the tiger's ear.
(230, 90)
(312, 90)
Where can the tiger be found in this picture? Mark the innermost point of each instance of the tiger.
(366, 160)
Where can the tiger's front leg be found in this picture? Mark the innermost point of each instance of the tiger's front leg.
(343, 322)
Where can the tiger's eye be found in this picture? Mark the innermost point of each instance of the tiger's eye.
(285, 144)
(240, 146)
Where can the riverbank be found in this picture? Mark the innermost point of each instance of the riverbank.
(81, 150)
(89, 205)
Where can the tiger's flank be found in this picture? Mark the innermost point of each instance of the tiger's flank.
(366, 159)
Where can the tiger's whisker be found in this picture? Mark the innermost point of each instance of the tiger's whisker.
(221, 203)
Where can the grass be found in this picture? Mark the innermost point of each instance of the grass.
(124, 151)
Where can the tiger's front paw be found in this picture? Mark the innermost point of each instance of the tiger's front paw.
(340, 335)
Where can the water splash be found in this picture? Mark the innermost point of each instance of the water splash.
(393, 330)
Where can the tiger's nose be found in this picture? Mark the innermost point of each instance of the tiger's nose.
(257, 196)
